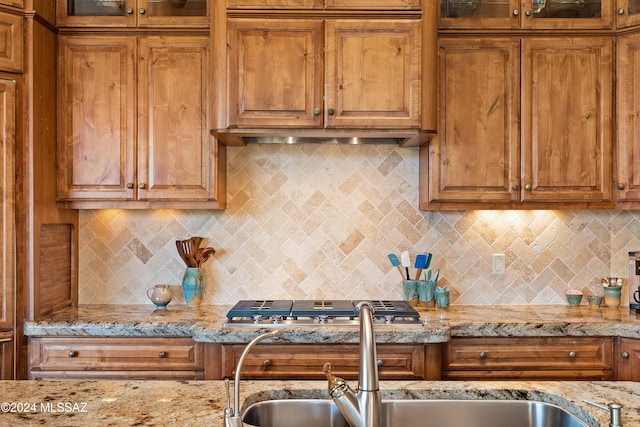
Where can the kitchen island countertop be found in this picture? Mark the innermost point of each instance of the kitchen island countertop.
(197, 403)
(205, 324)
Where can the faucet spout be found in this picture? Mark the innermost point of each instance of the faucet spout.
(361, 409)
(232, 415)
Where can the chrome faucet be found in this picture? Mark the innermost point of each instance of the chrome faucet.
(232, 415)
(361, 409)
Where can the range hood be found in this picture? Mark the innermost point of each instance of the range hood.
(239, 137)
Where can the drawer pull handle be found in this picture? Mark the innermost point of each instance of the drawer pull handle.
(266, 362)
(72, 354)
(162, 355)
(572, 354)
(625, 355)
(379, 362)
(483, 355)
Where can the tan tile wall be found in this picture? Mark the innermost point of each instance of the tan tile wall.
(317, 221)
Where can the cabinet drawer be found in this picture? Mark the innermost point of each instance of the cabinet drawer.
(11, 29)
(305, 361)
(115, 354)
(538, 358)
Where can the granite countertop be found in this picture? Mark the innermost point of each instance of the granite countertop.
(197, 403)
(205, 324)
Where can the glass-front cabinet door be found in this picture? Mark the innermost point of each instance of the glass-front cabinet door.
(628, 13)
(132, 13)
(526, 14)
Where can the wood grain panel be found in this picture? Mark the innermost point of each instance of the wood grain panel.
(11, 36)
(55, 268)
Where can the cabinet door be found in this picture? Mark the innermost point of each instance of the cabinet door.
(373, 74)
(96, 107)
(567, 119)
(475, 157)
(627, 114)
(275, 73)
(562, 14)
(96, 13)
(474, 14)
(132, 13)
(173, 13)
(7, 202)
(176, 159)
(11, 34)
(6, 356)
(629, 360)
(628, 13)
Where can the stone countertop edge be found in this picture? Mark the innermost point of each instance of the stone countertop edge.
(197, 403)
(205, 324)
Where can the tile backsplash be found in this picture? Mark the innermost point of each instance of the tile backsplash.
(318, 220)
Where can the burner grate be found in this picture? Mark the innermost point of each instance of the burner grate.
(263, 307)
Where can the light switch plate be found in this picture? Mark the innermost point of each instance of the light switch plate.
(498, 264)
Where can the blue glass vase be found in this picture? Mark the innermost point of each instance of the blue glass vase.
(193, 286)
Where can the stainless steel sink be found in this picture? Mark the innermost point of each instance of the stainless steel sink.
(418, 413)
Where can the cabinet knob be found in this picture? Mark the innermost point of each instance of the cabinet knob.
(162, 355)
(266, 362)
(72, 354)
(625, 355)
(515, 187)
(621, 11)
(516, 12)
(483, 355)
(316, 111)
(379, 363)
(331, 111)
(129, 10)
(572, 354)
(142, 186)
(129, 185)
(527, 187)
(527, 12)
(620, 186)
(141, 11)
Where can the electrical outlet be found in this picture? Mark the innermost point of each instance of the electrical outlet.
(498, 264)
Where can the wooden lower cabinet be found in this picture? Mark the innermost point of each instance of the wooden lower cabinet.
(305, 361)
(550, 358)
(113, 358)
(628, 359)
(6, 356)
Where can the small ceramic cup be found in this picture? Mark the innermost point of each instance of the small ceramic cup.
(595, 301)
(574, 299)
(612, 296)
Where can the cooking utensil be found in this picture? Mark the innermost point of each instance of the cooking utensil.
(396, 263)
(429, 255)
(406, 262)
(421, 262)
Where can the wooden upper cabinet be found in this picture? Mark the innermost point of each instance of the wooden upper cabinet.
(525, 123)
(367, 76)
(132, 13)
(627, 13)
(11, 34)
(373, 74)
(567, 120)
(476, 155)
(166, 155)
(628, 127)
(275, 73)
(96, 133)
(176, 156)
(526, 14)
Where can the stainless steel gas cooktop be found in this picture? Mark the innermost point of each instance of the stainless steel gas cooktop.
(316, 312)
